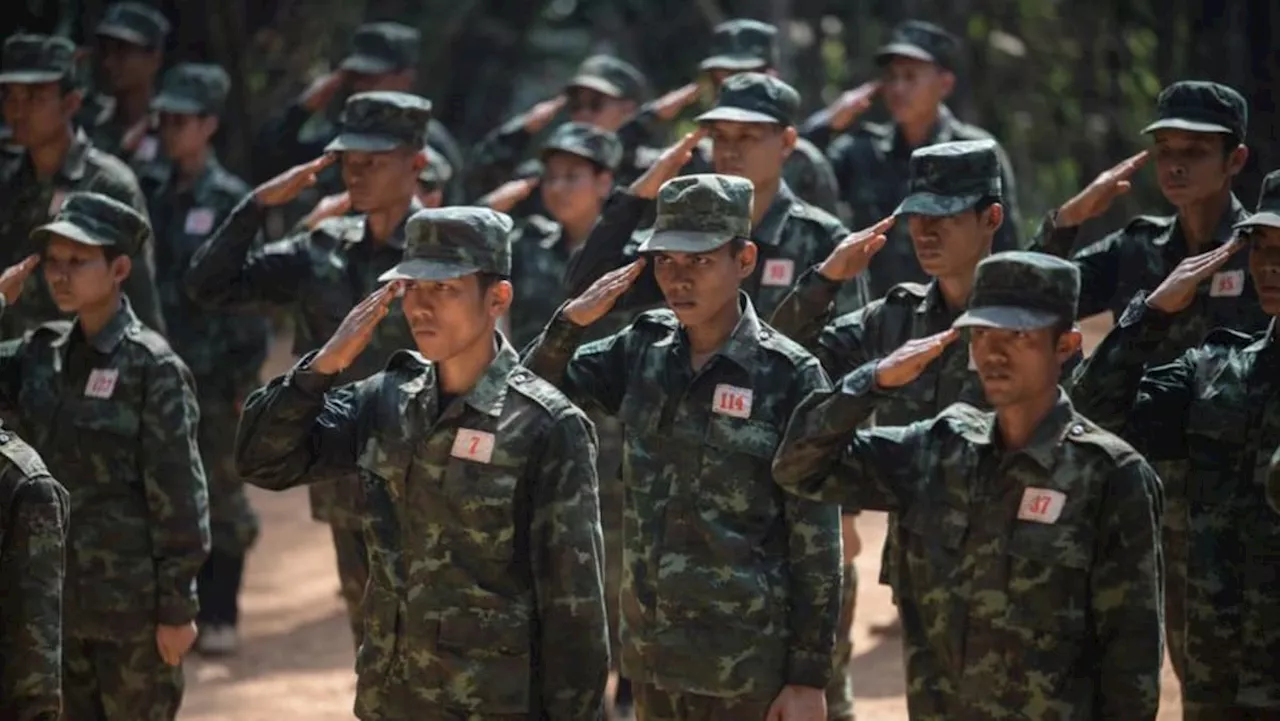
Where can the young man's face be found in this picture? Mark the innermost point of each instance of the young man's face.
(1193, 167)
(376, 180)
(80, 276)
(448, 317)
(396, 82)
(1264, 266)
(913, 89)
(594, 108)
(951, 245)
(1018, 366)
(38, 113)
(126, 66)
(755, 151)
(573, 188)
(697, 286)
(183, 135)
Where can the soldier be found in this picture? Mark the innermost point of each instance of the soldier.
(113, 410)
(1198, 134)
(189, 195)
(730, 592)
(1028, 545)
(485, 598)
(40, 100)
(872, 163)
(433, 179)
(1214, 411)
(130, 46)
(321, 274)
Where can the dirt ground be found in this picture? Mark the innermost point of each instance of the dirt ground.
(296, 660)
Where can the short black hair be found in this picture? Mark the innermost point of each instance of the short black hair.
(111, 252)
(486, 280)
(736, 245)
(984, 203)
(1062, 327)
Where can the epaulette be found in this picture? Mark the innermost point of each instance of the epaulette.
(770, 339)
(966, 420)
(346, 229)
(875, 130)
(155, 343)
(21, 455)
(224, 182)
(1228, 337)
(539, 391)
(53, 327)
(965, 131)
(801, 209)
(541, 225)
(1157, 222)
(406, 360)
(660, 317)
(914, 292)
(1086, 432)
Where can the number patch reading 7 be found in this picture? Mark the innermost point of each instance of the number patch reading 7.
(472, 445)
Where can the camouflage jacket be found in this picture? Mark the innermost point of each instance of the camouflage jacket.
(1034, 578)
(871, 165)
(1140, 256)
(807, 172)
(791, 237)
(320, 275)
(223, 350)
(539, 260)
(485, 594)
(730, 587)
(33, 531)
(98, 117)
(1216, 409)
(115, 417)
(27, 203)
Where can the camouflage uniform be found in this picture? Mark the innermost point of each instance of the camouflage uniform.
(731, 591)
(33, 533)
(1137, 258)
(321, 275)
(115, 416)
(485, 598)
(437, 175)
(872, 163)
(224, 351)
(146, 27)
(27, 201)
(1215, 411)
(1030, 579)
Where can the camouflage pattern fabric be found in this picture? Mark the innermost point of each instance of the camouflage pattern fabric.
(33, 59)
(699, 213)
(742, 44)
(1200, 106)
(116, 416)
(587, 142)
(193, 89)
(34, 510)
(382, 121)
(539, 261)
(353, 575)
(1215, 410)
(922, 41)
(806, 171)
(754, 98)
(383, 47)
(715, 556)
(445, 243)
(658, 704)
(496, 607)
(118, 678)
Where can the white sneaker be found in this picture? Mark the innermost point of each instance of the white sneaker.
(218, 640)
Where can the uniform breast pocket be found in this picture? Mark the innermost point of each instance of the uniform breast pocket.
(933, 536)
(736, 479)
(110, 434)
(1048, 580)
(484, 498)
(1215, 441)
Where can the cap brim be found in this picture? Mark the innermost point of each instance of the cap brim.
(126, 34)
(1259, 220)
(903, 50)
(1193, 126)
(362, 143)
(737, 115)
(598, 84)
(682, 241)
(1006, 317)
(30, 77)
(935, 205)
(577, 152)
(423, 269)
(177, 105)
(367, 65)
(738, 63)
(67, 230)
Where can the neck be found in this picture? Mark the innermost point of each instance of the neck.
(459, 374)
(917, 132)
(92, 320)
(382, 223)
(1017, 423)
(575, 231)
(956, 290)
(133, 105)
(765, 193)
(710, 336)
(49, 158)
(191, 167)
(1199, 221)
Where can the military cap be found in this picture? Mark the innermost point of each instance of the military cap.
(380, 121)
(742, 44)
(31, 59)
(948, 178)
(612, 76)
(1201, 107)
(922, 41)
(1268, 211)
(438, 171)
(135, 23)
(444, 243)
(699, 213)
(380, 48)
(1022, 290)
(754, 98)
(95, 219)
(588, 142)
(193, 89)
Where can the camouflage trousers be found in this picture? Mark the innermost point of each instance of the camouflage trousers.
(118, 680)
(353, 575)
(233, 525)
(609, 469)
(1174, 538)
(655, 704)
(1207, 712)
(840, 690)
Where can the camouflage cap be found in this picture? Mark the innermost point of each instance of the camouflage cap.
(1201, 107)
(193, 89)
(31, 59)
(95, 219)
(948, 178)
(699, 213)
(922, 41)
(742, 44)
(1267, 214)
(612, 76)
(754, 98)
(380, 48)
(588, 142)
(381, 121)
(1022, 290)
(444, 243)
(135, 23)
(438, 171)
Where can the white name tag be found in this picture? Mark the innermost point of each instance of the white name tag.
(148, 147)
(1041, 505)
(732, 401)
(778, 271)
(1227, 284)
(199, 221)
(472, 445)
(102, 383)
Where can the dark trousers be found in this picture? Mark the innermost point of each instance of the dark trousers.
(219, 588)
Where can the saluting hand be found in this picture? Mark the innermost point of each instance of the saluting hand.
(905, 364)
(356, 330)
(596, 302)
(508, 195)
(1095, 199)
(15, 277)
(854, 253)
(851, 105)
(1177, 291)
(668, 106)
(540, 115)
(667, 165)
(289, 184)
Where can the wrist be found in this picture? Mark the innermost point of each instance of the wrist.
(1066, 216)
(325, 365)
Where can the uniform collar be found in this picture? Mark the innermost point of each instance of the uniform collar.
(1048, 436)
(769, 230)
(943, 131)
(108, 339)
(489, 392)
(740, 347)
(1223, 233)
